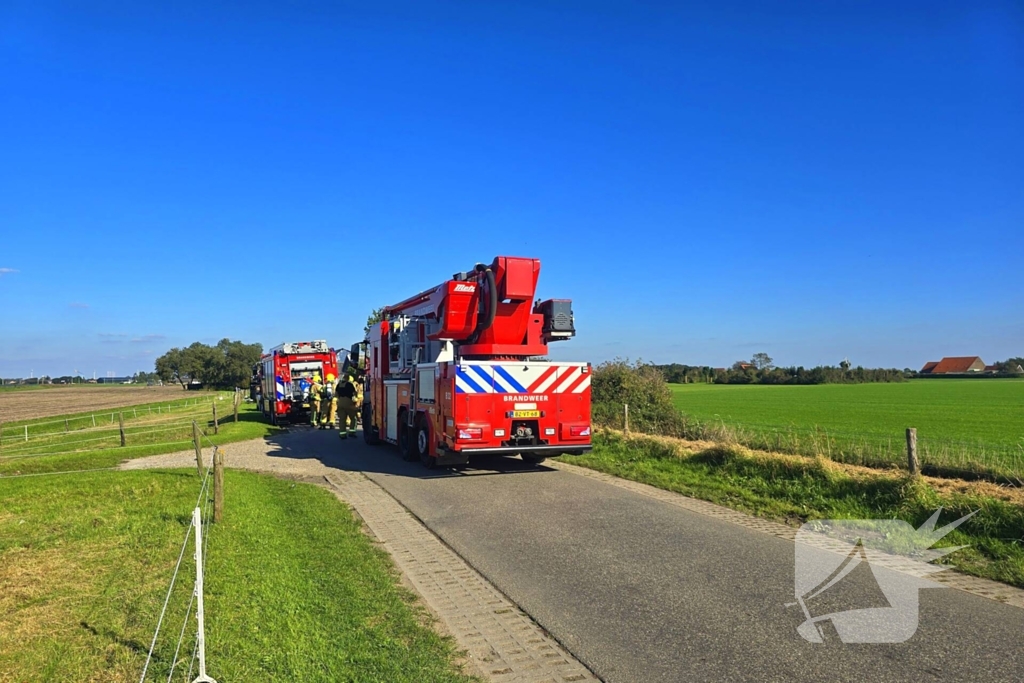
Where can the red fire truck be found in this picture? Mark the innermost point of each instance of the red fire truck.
(287, 373)
(455, 371)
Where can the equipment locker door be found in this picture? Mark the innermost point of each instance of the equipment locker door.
(391, 419)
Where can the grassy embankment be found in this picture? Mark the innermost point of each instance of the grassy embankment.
(964, 426)
(294, 589)
(150, 429)
(794, 489)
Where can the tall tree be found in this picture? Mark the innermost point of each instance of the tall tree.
(762, 361)
(375, 317)
(170, 367)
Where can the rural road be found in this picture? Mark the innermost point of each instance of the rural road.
(643, 591)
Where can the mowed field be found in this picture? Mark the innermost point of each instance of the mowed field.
(46, 401)
(964, 418)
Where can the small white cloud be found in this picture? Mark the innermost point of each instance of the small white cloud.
(8, 271)
(148, 338)
(78, 304)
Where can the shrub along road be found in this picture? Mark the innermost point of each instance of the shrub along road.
(641, 590)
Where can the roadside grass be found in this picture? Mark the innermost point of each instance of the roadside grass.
(965, 427)
(794, 489)
(294, 590)
(97, 448)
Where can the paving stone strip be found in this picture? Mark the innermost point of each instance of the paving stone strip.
(993, 590)
(501, 640)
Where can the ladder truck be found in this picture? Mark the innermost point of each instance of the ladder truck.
(457, 371)
(286, 373)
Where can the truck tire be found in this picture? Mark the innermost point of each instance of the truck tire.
(370, 435)
(405, 441)
(532, 459)
(422, 446)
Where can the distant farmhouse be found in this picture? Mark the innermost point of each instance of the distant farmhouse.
(955, 365)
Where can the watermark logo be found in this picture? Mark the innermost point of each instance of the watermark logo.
(862, 577)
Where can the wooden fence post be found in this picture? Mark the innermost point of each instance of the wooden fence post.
(199, 450)
(93, 420)
(26, 432)
(1, 436)
(216, 427)
(236, 404)
(120, 426)
(65, 425)
(218, 484)
(625, 418)
(912, 463)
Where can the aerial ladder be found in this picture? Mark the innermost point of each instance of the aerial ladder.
(458, 370)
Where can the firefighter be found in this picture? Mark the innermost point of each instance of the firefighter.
(328, 403)
(315, 390)
(347, 407)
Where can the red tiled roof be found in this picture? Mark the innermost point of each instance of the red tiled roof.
(956, 364)
(929, 366)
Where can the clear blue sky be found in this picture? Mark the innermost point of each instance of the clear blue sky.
(814, 180)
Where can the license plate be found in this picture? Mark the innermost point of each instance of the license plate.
(525, 413)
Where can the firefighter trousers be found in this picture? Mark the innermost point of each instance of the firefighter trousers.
(349, 414)
(328, 410)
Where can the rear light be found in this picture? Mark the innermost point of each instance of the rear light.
(470, 434)
(549, 431)
(579, 431)
(499, 432)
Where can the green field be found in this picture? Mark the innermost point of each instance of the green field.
(295, 591)
(147, 432)
(973, 423)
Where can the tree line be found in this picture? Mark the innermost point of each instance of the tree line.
(760, 369)
(226, 365)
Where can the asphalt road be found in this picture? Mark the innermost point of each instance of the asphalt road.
(643, 591)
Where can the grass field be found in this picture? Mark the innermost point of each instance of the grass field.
(149, 430)
(960, 423)
(36, 402)
(294, 590)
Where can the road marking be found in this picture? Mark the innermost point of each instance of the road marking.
(502, 641)
(985, 588)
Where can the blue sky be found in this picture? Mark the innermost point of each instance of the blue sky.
(814, 180)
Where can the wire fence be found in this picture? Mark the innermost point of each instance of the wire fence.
(165, 654)
(970, 458)
(23, 431)
(126, 429)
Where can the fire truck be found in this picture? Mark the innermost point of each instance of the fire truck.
(457, 371)
(287, 373)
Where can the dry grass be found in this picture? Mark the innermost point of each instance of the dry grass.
(685, 448)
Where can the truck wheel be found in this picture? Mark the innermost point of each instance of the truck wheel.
(423, 447)
(532, 459)
(405, 444)
(369, 435)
